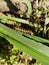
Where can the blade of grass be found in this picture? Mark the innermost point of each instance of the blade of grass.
(36, 38)
(29, 8)
(31, 51)
(16, 19)
(12, 33)
(35, 49)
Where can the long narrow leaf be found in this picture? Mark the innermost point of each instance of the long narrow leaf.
(29, 8)
(35, 49)
(38, 39)
(15, 19)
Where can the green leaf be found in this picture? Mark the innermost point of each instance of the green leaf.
(15, 19)
(29, 8)
(37, 39)
(31, 47)
(39, 14)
